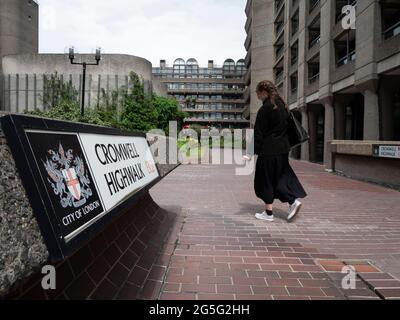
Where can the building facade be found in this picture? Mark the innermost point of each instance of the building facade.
(212, 96)
(19, 30)
(338, 72)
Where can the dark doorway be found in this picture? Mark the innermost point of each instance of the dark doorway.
(320, 137)
(354, 117)
(296, 152)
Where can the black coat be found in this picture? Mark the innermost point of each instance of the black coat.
(270, 131)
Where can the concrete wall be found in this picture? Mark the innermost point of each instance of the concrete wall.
(19, 25)
(262, 49)
(24, 76)
(386, 171)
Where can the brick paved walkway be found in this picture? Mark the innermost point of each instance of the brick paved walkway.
(217, 250)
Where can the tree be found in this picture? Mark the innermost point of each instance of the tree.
(167, 110)
(138, 110)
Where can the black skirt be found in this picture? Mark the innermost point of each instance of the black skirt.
(275, 179)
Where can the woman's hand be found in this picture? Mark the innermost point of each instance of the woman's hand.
(246, 157)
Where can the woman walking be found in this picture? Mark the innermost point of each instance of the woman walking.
(274, 177)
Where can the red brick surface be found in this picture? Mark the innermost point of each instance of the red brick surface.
(120, 263)
(342, 221)
(199, 239)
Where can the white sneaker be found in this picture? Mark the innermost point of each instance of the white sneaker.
(294, 209)
(264, 216)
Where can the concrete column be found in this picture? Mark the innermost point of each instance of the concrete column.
(305, 147)
(327, 52)
(312, 125)
(340, 121)
(262, 49)
(386, 99)
(329, 134)
(371, 115)
(303, 44)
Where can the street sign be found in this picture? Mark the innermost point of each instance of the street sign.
(387, 151)
(77, 177)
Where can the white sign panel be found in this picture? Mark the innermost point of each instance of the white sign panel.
(121, 165)
(389, 152)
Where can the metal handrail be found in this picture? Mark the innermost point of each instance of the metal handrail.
(312, 7)
(315, 41)
(391, 29)
(313, 78)
(347, 59)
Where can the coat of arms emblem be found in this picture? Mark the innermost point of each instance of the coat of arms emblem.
(68, 177)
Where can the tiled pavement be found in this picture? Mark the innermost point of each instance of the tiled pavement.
(217, 250)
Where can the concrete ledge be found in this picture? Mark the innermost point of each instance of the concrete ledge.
(355, 159)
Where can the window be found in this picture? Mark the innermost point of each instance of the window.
(192, 68)
(278, 75)
(179, 67)
(241, 67)
(294, 53)
(345, 48)
(313, 72)
(339, 6)
(278, 51)
(390, 19)
(278, 4)
(313, 4)
(293, 83)
(229, 66)
(278, 27)
(314, 33)
(295, 23)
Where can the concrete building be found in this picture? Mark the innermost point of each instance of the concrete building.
(341, 82)
(25, 75)
(19, 30)
(23, 71)
(212, 95)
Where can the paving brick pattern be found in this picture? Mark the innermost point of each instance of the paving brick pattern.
(195, 237)
(222, 252)
(118, 264)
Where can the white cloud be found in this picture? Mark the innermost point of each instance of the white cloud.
(153, 29)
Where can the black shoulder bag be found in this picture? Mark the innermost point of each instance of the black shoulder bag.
(297, 134)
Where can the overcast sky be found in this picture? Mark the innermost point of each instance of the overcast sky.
(153, 29)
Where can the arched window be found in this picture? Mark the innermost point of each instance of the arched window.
(241, 67)
(229, 66)
(192, 68)
(179, 66)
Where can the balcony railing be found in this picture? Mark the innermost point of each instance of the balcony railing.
(315, 41)
(278, 52)
(392, 31)
(279, 28)
(279, 77)
(313, 4)
(313, 78)
(346, 59)
(278, 4)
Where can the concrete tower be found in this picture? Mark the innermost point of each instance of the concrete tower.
(19, 30)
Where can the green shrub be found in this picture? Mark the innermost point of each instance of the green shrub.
(129, 108)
